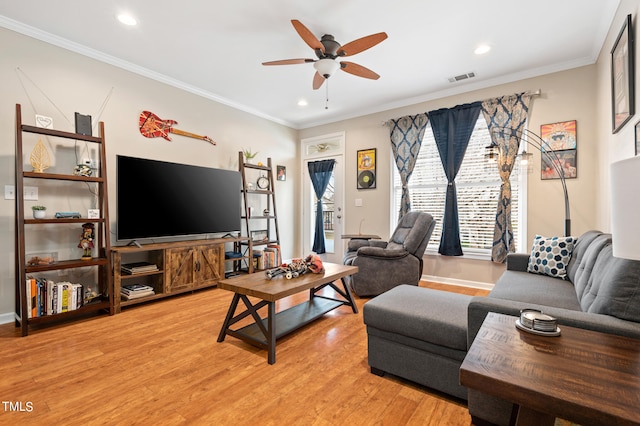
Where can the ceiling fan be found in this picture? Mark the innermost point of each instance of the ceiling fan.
(328, 50)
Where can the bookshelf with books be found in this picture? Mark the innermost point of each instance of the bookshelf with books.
(158, 270)
(46, 288)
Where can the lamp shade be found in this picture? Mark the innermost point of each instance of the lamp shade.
(326, 67)
(625, 208)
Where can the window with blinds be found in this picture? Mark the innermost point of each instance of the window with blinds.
(478, 188)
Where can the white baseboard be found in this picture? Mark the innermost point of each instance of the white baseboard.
(462, 283)
(7, 318)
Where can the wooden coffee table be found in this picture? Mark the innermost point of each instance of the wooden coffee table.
(265, 332)
(583, 376)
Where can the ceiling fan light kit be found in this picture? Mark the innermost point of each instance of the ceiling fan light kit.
(327, 49)
(326, 67)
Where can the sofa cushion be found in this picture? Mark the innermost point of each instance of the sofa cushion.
(536, 289)
(583, 274)
(550, 256)
(614, 287)
(580, 246)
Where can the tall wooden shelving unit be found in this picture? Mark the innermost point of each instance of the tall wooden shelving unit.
(258, 221)
(102, 243)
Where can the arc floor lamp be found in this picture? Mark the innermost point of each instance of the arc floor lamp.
(531, 139)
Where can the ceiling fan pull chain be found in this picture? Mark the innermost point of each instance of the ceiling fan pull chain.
(326, 104)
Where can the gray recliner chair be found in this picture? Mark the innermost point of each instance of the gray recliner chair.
(383, 265)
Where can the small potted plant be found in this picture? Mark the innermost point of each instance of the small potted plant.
(248, 155)
(39, 212)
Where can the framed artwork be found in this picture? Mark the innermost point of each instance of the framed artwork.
(281, 173)
(559, 136)
(622, 77)
(637, 144)
(565, 159)
(366, 169)
(261, 235)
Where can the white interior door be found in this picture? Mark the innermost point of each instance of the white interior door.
(316, 149)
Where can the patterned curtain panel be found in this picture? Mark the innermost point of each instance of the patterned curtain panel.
(320, 174)
(506, 117)
(406, 139)
(452, 129)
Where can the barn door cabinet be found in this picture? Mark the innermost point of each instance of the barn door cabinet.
(194, 267)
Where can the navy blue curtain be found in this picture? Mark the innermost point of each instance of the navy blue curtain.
(452, 128)
(320, 173)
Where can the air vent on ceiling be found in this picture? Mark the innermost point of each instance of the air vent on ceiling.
(461, 77)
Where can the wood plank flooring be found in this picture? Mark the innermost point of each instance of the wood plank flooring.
(159, 363)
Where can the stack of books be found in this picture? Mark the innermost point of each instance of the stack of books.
(136, 291)
(268, 258)
(138, 267)
(46, 297)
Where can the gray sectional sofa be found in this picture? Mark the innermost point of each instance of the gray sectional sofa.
(422, 335)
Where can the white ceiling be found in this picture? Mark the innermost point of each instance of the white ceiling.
(215, 48)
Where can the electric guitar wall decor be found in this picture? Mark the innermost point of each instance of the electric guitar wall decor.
(152, 126)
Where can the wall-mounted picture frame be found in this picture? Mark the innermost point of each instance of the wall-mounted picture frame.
(567, 160)
(559, 136)
(622, 76)
(637, 144)
(281, 173)
(366, 166)
(261, 235)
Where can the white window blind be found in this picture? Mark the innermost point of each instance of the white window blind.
(478, 188)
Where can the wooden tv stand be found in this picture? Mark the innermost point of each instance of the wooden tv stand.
(183, 266)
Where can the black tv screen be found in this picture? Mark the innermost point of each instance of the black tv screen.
(163, 199)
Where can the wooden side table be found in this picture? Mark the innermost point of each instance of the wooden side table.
(583, 376)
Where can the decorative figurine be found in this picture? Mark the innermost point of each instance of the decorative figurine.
(89, 295)
(82, 170)
(40, 160)
(86, 240)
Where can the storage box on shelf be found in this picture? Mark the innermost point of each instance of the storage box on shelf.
(97, 294)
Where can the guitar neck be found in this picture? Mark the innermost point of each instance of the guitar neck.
(191, 135)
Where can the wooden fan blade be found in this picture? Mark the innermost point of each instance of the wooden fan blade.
(307, 35)
(361, 44)
(318, 80)
(289, 61)
(359, 70)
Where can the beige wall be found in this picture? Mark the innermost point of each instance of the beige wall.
(77, 83)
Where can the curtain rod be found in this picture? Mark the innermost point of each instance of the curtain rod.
(529, 92)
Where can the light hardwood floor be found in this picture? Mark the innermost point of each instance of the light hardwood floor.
(159, 363)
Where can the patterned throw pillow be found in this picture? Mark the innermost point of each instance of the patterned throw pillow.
(550, 256)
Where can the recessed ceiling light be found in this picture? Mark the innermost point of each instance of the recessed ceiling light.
(127, 19)
(303, 102)
(482, 49)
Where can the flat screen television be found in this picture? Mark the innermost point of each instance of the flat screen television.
(164, 199)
